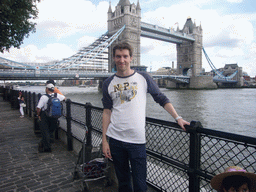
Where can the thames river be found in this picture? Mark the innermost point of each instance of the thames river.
(228, 110)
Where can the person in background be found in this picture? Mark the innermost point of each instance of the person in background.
(56, 90)
(124, 114)
(21, 103)
(234, 179)
(47, 124)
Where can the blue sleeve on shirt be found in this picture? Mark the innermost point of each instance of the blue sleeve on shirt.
(154, 90)
(107, 100)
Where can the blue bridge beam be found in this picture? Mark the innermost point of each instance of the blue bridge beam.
(155, 32)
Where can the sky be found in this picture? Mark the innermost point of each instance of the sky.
(64, 27)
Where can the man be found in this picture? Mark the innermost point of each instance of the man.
(124, 102)
(56, 90)
(47, 124)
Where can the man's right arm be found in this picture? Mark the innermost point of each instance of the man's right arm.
(38, 112)
(105, 123)
(39, 107)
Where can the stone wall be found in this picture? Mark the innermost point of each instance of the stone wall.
(202, 82)
(198, 82)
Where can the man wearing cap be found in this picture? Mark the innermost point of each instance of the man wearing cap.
(47, 124)
(56, 90)
(234, 179)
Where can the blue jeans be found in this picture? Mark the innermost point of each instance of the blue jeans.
(123, 153)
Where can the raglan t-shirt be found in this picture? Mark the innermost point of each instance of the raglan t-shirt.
(126, 98)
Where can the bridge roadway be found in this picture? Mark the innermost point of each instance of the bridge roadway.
(55, 74)
(163, 34)
(65, 74)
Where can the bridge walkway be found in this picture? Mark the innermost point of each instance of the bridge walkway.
(22, 168)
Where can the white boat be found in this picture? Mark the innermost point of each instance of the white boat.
(16, 87)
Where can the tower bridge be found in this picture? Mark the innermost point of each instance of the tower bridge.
(124, 25)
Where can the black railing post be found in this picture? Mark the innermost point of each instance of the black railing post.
(9, 94)
(5, 94)
(34, 103)
(13, 99)
(87, 149)
(88, 107)
(195, 153)
(26, 101)
(36, 121)
(29, 107)
(69, 133)
(56, 133)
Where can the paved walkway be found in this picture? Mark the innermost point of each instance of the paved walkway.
(22, 168)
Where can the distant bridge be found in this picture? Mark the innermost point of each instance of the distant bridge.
(88, 63)
(95, 60)
(219, 77)
(8, 74)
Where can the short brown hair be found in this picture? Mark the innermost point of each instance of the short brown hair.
(121, 46)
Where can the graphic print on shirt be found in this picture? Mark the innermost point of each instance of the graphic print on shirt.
(126, 91)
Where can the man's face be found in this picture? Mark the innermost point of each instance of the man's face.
(122, 60)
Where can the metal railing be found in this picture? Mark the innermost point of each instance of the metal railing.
(176, 160)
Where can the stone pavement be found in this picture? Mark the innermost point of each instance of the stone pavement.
(23, 169)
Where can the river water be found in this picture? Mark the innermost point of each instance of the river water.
(228, 110)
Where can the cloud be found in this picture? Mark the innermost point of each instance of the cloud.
(85, 41)
(228, 53)
(32, 54)
(229, 31)
(249, 64)
(156, 54)
(218, 30)
(235, 1)
(59, 19)
(62, 18)
(157, 48)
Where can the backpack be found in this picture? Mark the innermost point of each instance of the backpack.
(54, 107)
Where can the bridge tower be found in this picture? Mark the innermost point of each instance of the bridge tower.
(129, 15)
(189, 54)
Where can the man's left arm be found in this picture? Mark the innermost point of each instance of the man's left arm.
(170, 109)
(160, 98)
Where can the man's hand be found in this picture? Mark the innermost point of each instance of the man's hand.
(106, 150)
(182, 123)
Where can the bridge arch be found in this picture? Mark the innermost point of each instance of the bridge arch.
(187, 72)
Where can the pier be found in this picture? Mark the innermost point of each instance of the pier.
(24, 169)
(176, 160)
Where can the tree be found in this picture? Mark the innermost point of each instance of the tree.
(16, 22)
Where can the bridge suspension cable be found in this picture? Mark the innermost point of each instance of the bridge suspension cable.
(84, 58)
(6, 63)
(216, 71)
